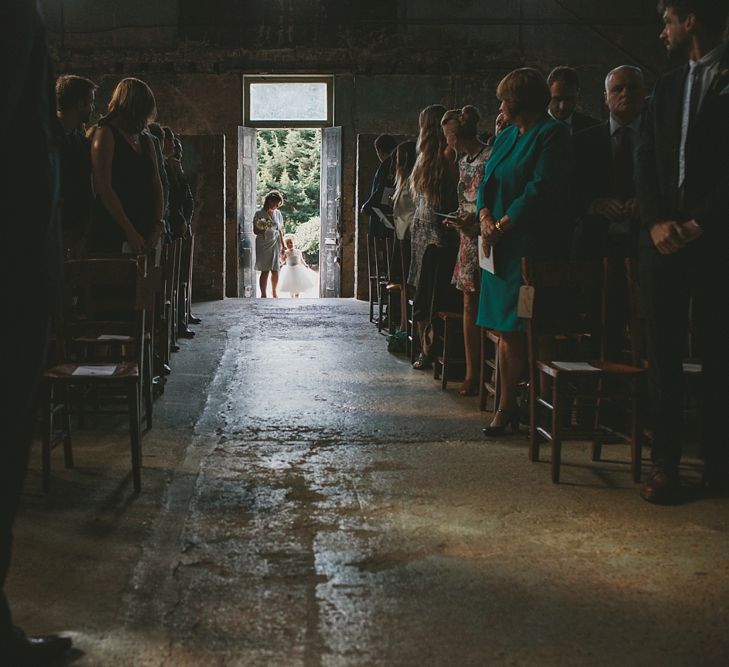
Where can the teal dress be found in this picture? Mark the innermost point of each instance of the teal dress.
(527, 177)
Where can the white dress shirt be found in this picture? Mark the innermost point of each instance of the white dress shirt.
(708, 65)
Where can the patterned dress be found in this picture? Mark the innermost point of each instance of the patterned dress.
(467, 273)
(426, 229)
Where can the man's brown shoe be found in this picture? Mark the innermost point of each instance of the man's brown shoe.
(662, 487)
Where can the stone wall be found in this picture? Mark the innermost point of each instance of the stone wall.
(390, 58)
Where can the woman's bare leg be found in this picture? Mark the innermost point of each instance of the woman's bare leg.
(512, 362)
(263, 283)
(470, 339)
(274, 284)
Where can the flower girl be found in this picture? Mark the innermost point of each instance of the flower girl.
(296, 276)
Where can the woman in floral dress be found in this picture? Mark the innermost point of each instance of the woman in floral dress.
(460, 129)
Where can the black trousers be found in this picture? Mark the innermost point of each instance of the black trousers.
(697, 274)
(23, 357)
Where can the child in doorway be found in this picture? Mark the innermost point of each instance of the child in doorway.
(296, 276)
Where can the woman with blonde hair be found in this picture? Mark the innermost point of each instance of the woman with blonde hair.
(268, 227)
(129, 207)
(460, 128)
(432, 255)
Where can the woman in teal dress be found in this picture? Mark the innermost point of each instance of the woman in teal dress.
(523, 204)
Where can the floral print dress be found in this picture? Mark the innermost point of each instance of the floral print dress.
(467, 273)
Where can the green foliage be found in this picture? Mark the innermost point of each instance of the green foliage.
(307, 239)
(289, 161)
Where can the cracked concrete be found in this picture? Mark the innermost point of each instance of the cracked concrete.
(309, 499)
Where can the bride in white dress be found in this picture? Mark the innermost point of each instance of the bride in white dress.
(295, 276)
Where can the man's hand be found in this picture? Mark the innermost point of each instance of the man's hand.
(667, 237)
(632, 209)
(608, 208)
(690, 231)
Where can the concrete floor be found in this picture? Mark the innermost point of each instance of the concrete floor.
(309, 499)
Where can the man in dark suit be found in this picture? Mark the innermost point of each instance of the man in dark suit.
(31, 253)
(604, 194)
(683, 187)
(75, 98)
(564, 88)
(384, 178)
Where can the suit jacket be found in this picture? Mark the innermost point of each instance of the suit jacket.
(595, 179)
(706, 185)
(594, 162)
(381, 181)
(581, 121)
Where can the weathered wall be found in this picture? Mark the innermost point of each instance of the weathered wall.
(390, 59)
(204, 164)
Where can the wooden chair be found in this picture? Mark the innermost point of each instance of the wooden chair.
(395, 287)
(569, 302)
(489, 369)
(383, 246)
(451, 359)
(93, 289)
(372, 274)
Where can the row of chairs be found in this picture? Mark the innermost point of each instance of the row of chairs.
(115, 330)
(573, 390)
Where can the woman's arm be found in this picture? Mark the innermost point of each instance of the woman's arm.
(102, 154)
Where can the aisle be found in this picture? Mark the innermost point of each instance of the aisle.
(311, 500)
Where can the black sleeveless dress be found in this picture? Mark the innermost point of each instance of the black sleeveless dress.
(132, 178)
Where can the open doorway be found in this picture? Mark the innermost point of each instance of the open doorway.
(289, 161)
(288, 124)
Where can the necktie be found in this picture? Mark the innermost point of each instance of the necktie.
(623, 163)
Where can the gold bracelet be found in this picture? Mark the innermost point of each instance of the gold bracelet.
(498, 227)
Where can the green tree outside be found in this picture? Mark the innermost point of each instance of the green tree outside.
(289, 161)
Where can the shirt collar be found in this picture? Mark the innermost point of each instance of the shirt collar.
(614, 125)
(566, 121)
(711, 58)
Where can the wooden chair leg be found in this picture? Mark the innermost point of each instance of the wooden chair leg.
(147, 383)
(444, 378)
(47, 435)
(533, 435)
(556, 430)
(135, 436)
(636, 449)
(596, 445)
(66, 423)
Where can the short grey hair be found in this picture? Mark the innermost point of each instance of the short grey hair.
(636, 70)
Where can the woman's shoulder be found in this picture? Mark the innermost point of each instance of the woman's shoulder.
(260, 213)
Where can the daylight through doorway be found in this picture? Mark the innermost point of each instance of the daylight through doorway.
(289, 160)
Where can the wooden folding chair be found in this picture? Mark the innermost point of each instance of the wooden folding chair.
(488, 387)
(105, 301)
(569, 303)
(450, 362)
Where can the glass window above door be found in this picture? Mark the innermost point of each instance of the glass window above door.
(288, 101)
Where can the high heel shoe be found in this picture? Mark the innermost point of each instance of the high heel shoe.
(469, 388)
(512, 422)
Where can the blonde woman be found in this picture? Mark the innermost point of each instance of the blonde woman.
(268, 228)
(460, 128)
(433, 250)
(129, 207)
